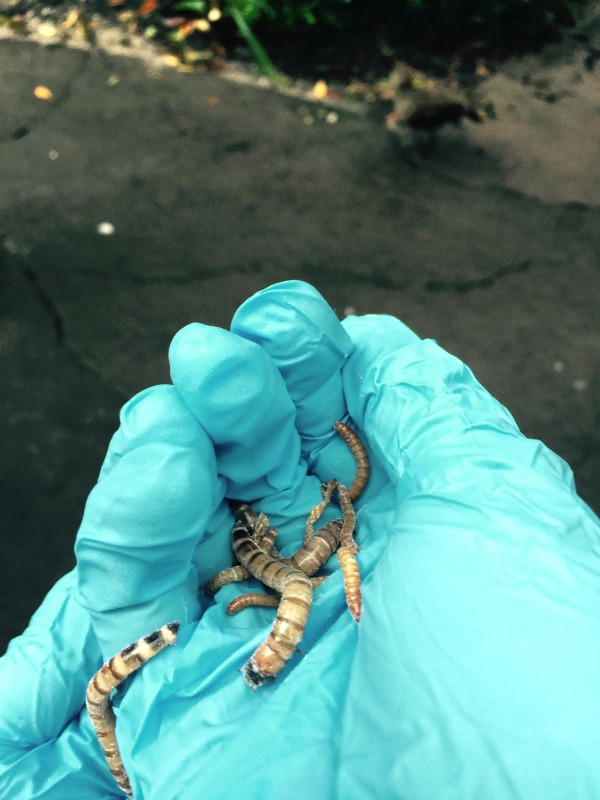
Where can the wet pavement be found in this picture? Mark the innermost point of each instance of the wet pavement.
(138, 199)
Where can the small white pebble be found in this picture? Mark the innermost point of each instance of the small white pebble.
(47, 30)
(349, 311)
(332, 117)
(263, 81)
(579, 385)
(53, 155)
(105, 229)
(558, 366)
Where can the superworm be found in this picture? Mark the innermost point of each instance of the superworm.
(252, 599)
(108, 677)
(317, 550)
(296, 593)
(237, 572)
(346, 534)
(224, 577)
(360, 456)
(351, 573)
(309, 558)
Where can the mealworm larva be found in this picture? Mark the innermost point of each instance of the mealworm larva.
(237, 572)
(108, 677)
(224, 578)
(295, 589)
(267, 543)
(316, 511)
(351, 573)
(252, 599)
(314, 553)
(309, 559)
(347, 531)
(360, 456)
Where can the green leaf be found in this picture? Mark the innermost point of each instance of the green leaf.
(260, 54)
(197, 6)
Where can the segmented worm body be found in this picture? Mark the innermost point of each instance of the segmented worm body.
(347, 531)
(253, 544)
(351, 574)
(224, 577)
(108, 677)
(295, 589)
(360, 456)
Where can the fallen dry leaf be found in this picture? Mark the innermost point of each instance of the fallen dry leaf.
(170, 60)
(43, 93)
(70, 19)
(320, 90)
(187, 27)
(147, 7)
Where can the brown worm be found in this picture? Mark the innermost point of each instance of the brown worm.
(253, 541)
(360, 456)
(108, 677)
(225, 577)
(347, 531)
(317, 550)
(237, 572)
(252, 599)
(351, 573)
(294, 587)
(309, 558)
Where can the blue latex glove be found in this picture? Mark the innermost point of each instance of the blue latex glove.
(474, 672)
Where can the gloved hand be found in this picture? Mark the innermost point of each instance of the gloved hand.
(475, 669)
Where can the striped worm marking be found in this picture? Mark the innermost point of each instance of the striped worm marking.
(108, 677)
(317, 550)
(351, 573)
(225, 577)
(360, 456)
(309, 559)
(252, 599)
(295, 589)
(347, 531)
(237, 572)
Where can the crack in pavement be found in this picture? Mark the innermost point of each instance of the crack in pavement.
(42, 297)
(184, 279)
(45, 301)
(465, 286)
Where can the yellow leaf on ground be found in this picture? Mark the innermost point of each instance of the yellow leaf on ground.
(43, 93)
(320, 90)
(171, 60)
(71, 18)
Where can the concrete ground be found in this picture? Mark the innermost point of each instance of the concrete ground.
(216, 188)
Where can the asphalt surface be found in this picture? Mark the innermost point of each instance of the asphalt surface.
(213, 189)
